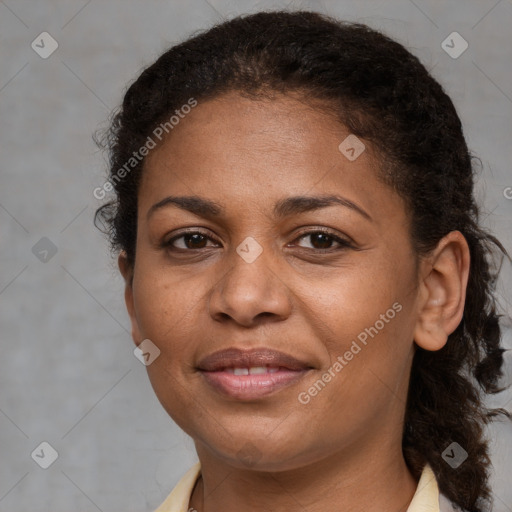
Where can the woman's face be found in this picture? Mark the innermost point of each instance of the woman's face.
(294, 260)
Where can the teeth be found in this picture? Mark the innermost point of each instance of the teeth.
(253, 370)
(257, 370)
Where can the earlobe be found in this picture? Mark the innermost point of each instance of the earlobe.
(442, 291)
(126, 270)
(125, 267)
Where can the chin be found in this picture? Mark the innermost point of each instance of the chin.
(246, 451)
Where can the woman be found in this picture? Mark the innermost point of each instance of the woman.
(305, 274)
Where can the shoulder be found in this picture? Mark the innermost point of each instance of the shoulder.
(179, 498)
(428, 497)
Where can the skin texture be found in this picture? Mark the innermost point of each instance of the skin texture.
(342, 450)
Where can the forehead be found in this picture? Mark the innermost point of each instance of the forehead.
(247, 126)
(245, 151)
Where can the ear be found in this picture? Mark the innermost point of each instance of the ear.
(126, 269)
(442, 291)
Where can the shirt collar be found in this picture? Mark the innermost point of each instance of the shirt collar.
(426, 498)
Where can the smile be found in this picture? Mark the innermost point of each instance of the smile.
(251, 383)
(251, 374)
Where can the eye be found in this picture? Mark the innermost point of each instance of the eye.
(315, 240)
(190, 241)
(321, 240)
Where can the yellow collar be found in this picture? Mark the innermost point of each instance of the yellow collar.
(426, 498)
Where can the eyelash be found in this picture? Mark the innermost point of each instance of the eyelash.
(343, 243)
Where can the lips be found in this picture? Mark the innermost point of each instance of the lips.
(237, 358)
(251, 374)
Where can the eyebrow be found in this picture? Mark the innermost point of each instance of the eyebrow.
(283, 208)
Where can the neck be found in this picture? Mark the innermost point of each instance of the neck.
(342, 482)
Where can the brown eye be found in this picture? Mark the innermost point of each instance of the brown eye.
(192, 240)
(195, 241)
(321, 240)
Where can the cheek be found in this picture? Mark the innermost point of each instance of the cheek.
(166, 306)
(351, 300)
(364, 319)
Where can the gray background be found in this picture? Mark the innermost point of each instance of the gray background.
(68, 375)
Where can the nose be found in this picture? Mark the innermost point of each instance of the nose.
(250, 293)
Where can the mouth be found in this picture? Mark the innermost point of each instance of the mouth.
(251, 374)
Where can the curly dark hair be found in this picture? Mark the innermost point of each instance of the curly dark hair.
(384, 95)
